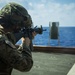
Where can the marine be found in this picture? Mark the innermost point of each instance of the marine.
(12, 18)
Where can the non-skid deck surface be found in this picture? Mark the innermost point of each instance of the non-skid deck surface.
(49, 64)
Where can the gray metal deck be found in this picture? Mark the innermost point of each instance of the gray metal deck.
(50, 64)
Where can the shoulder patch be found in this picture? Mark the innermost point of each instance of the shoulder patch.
(0, 36)
(10, 44)
(3, 38)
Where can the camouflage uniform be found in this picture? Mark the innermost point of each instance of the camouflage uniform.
(12, 56)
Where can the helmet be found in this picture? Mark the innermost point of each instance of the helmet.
(15, 14)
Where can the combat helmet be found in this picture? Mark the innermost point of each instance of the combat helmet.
(15, 14)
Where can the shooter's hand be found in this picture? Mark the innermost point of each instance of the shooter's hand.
(33, 34)
(26, 41)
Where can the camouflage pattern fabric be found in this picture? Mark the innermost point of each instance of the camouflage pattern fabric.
(19, 58)
(16, 14)
(12, 8)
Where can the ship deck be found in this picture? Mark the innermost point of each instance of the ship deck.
(51, 61)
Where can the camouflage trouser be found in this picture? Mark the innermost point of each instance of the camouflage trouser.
(5, 73)
(4, 69)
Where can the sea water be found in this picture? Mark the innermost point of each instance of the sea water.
(66, 37)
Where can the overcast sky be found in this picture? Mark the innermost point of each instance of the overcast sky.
(45, 11)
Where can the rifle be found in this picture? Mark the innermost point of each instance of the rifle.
(27, 32)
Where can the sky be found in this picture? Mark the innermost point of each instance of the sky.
(45, 11)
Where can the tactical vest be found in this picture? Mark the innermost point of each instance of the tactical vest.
(5, 69)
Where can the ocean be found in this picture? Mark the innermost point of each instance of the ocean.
(66, 38)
